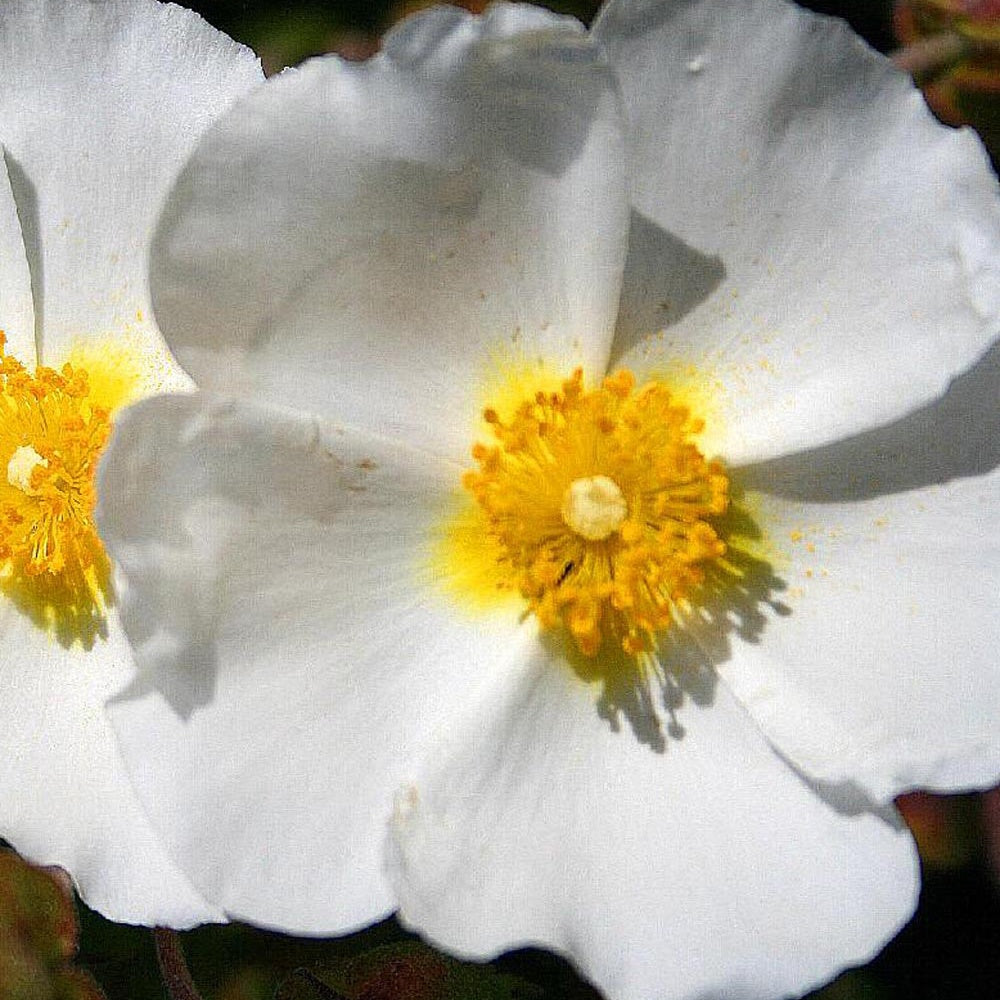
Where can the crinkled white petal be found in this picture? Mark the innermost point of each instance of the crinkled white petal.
(66, 799)
(705, 869)
(804, 232)
(100, 105)
(882, 670)
(373, 241)
(294, 656)
(17, 315)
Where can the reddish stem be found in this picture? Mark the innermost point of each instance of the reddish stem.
(173, 967)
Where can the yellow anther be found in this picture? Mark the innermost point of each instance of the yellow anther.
(602, 507)
(620, 383)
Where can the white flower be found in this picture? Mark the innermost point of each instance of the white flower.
(100, 105)
(358, 263)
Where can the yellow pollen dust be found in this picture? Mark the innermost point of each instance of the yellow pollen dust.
(51, 436)
(601, 506)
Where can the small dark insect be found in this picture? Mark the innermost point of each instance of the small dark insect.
(566, 570)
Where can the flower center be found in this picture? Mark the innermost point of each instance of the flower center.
(51, 436)
(602, 508)
(594, 507)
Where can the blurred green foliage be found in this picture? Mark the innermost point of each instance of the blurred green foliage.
(38, 936)
(963, 87)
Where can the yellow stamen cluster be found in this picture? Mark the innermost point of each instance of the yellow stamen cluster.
(51, 436)
(602, 507)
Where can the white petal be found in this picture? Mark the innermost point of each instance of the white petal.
(368, 241)
(100, 105)
(292, 657)
(885, 673)
(66, 797)
(17, 316)
(820, 246)
(955, 436)
(704, 869)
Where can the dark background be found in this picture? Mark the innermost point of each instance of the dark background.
(285, 33)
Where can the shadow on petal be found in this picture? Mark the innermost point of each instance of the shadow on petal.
(70, 606)
(159, 652)
(956, 435)
(26, 199)
(739, 596)
(847, 797)
(536, 93)
(664, 280)
(539, 95)
(175, 651)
